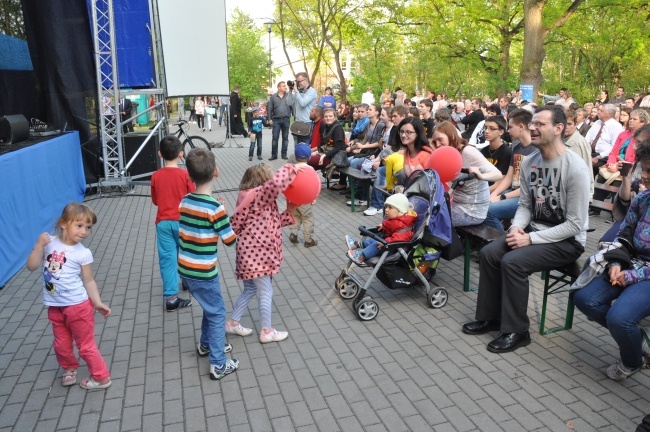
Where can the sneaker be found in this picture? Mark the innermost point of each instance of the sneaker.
(89, 383)
(645, 345)
(619, 372)
(179, 303)
(238, 330)
(293, 238)
(371, 211)
(218, 372)
(352, 243)
(204, 350)
(273, 336)
(356, 256)
(357, 202)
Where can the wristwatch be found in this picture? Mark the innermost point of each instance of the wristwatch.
(503, 196)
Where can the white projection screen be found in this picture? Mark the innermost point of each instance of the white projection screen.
(195, 53)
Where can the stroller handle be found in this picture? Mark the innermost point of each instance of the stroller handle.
(366, 232)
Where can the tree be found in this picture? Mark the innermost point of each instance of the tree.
(247, 58)
(11, 19)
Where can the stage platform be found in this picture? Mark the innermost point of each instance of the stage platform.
(37, 182)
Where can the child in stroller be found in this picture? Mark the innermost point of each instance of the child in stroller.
(405, 263)
(397, 227)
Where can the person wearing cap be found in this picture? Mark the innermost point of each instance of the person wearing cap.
(255, 126)
(397, 227)
(304, 214)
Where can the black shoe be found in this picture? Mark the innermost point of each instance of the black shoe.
(480, 327)
(311, 243)
(509, 342)
(594, 212)
(179, 303)
(273, 158)
(284, 157)
(293, 238)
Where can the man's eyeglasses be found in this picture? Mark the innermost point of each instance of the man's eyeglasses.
(492, 128)
(406, 132)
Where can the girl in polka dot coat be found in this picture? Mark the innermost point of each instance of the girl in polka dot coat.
(258, 224)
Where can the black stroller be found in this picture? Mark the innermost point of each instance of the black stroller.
(404, 264)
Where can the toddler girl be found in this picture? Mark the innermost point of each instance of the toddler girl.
(72, 300)
(397, 227)
(258, 225)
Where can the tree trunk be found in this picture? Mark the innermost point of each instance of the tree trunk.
(504, 59)
(534, 35)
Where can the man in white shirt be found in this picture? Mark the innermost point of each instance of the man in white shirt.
(602, 135)
(417, 98)
(368, 97)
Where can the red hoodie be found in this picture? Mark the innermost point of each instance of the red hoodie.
(391, 226)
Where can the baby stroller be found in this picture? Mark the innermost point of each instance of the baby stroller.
(405, 264)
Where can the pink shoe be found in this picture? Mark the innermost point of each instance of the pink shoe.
(69, 378)
(238, 330)
(273, 336)
(89, 383)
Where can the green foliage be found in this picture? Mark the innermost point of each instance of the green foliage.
(11, 19)
(247, 58)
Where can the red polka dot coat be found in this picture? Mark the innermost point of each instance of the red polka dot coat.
(258, 226)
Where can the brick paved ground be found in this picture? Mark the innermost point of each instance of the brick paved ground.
(410, 369)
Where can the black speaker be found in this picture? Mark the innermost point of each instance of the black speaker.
(148, 160)
(13, 129)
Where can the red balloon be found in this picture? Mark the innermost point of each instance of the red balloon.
(305, 187)
(447, 161)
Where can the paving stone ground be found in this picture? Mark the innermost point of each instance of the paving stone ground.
(411, 369)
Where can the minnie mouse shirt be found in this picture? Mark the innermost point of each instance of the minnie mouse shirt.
(62, 284)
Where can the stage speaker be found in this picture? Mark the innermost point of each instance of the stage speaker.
(148, 160)
(13, 129)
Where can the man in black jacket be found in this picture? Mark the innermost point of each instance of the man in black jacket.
(125, 112)
(236, 124)
(474, 118)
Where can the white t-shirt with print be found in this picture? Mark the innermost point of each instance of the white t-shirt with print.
(62, 284)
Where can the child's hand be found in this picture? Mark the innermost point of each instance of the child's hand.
(380, 227)
(43, 240)
(222, 200)
(103, 309)
(291, 207)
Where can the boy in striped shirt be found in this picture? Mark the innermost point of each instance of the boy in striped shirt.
(203, 220)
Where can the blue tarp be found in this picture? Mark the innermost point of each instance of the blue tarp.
(37, 183)
(14, 54)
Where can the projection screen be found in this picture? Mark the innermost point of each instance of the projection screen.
(195, 53)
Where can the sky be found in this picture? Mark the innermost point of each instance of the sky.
(257, 9)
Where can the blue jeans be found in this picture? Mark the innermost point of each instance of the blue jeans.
(377, 198)
(223, 109)
(501, 210)
(621, 318)
(258, 138)
(280, 124)
(168, 244)
(611, 233)
(213, 325)
(370, 248)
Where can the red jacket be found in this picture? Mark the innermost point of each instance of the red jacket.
(391, 226)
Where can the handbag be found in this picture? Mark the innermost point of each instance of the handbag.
(301, 128)
(610, 177)
(340, 159)
(210, 110)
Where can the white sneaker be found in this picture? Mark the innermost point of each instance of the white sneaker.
(273, 336)
(619, 372)
(357, 202)
(371, 211)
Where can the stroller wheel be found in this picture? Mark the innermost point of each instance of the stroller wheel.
(367, 310)
(348, 289)
(437, 297)
(339, 280)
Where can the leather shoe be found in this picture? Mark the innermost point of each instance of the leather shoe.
(273, 158)
(509, 342)
(480, 327)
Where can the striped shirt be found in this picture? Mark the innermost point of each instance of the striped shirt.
(203, 220)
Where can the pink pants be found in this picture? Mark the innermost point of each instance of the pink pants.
(77, 323)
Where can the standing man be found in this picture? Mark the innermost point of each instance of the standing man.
(424, 108)
(368, 98)
(279, 112)
(304, 99)
(473, 118)
(181, 108)
(236, 124)
(224, 102)
(125, 112)
(549, 230)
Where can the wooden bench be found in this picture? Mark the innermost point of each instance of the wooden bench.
(482, 234)
(354, 175)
